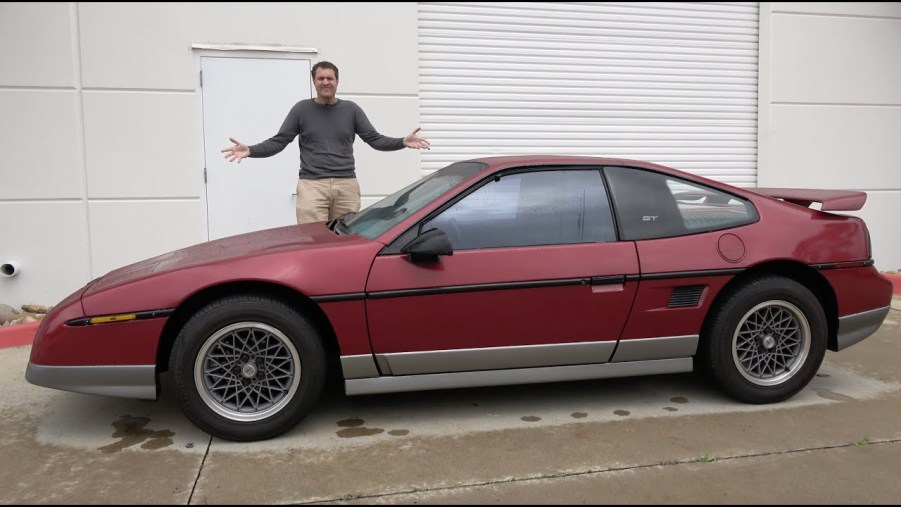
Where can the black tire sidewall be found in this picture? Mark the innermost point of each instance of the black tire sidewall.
(233, 310)
(720, 334)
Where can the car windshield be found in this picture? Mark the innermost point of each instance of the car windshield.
(385, 214)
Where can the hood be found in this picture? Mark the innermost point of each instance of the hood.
(281, 239)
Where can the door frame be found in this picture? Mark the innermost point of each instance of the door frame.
(258, 51)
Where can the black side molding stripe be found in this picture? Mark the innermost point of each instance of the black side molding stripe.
(149, 314)
(476, 288)
(333, 298)
(688, 274)
(454, 289)
(841, 265)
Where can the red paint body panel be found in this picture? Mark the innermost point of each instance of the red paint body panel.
(119, 344)
(348, 319)
(803, 235)
(314, 261)
(496, 318)
(329, 264)
(651, 317)
(859, 289)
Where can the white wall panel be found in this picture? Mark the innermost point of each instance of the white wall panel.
(39, 142)
(36, 39)
(50, 242)
(383, 172)
(830, 113)
(141, 144)
(150, 43)
(672, 83)
(885, 9)
(123, 232)
(835, 146)
(833, 59)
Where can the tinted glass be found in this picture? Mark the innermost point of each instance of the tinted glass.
(381, 216)
(525, 209)
(654, 205)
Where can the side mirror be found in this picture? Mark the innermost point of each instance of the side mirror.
(428, 246)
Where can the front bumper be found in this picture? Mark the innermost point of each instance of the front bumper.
(123, 381)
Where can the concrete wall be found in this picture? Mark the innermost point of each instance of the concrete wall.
(99, 122)
(99, 117)
(830, 107)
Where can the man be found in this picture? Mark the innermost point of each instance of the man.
(327, 185)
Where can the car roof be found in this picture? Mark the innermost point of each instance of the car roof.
(498, 163)
(507, 161)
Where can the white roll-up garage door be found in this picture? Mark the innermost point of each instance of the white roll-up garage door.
(671, 83)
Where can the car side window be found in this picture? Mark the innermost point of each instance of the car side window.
(653, 205)
(533, 208)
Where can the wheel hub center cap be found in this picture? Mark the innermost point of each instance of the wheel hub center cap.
(249, 370)
(768, 342)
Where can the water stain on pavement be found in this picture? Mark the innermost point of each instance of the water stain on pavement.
(133, 431)
(832, 395)
(359, 432)
(670, 409)
(399, 433)
(351, 423)
(530, 418)
(622, 413)
(679, 399)
(578, 415)
(353, 428)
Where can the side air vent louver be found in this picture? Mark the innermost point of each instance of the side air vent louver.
(688, 295)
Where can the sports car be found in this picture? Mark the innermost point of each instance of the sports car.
(492, 271)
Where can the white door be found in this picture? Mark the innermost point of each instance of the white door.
(248, 99)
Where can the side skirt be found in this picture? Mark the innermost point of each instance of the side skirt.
(405, 383)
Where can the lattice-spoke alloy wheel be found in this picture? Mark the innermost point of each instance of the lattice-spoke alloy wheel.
(247, 371)
(765, 339)
(248, 367)
(771, 342)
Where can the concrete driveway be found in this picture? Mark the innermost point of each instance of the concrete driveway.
(662, 439)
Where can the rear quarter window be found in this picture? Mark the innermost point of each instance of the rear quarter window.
(653, 205)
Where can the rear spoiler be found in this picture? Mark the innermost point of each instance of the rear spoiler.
(831, 200)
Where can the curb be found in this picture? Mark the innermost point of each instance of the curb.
(18, 335)
(896, 282)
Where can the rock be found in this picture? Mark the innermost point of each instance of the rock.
(34, 308)
(8, 313)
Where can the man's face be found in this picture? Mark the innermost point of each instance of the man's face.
(326, 83)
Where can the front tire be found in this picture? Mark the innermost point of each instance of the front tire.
(766, 341)
(247, 368)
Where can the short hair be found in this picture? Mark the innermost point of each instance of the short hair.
(324, 65)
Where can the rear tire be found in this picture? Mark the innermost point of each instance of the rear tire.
(247, 368)
(766, 340)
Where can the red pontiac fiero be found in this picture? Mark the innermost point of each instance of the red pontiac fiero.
(501, 270)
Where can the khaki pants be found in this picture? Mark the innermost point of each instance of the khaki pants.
(326, 199)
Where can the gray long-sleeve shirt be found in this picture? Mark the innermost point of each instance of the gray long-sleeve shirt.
(327, 136)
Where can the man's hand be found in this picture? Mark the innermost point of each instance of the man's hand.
(237, 152)
(414, 141)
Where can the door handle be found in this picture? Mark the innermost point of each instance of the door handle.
(614, 283)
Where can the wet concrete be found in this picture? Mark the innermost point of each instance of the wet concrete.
(637, 440)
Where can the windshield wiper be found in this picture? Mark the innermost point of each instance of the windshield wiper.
(337, 225)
